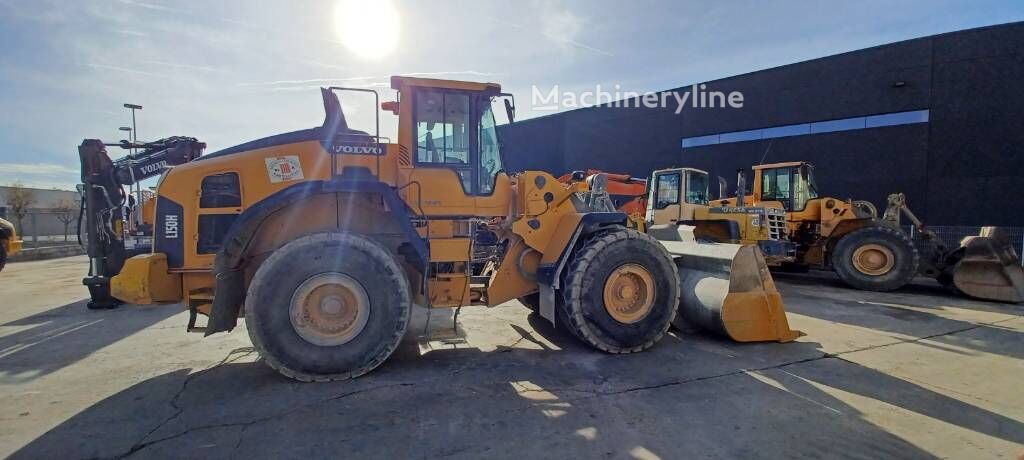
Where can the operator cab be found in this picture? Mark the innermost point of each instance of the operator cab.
(674, 193)
(453, 127)
(791, 184)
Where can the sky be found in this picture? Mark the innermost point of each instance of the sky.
(227, 72)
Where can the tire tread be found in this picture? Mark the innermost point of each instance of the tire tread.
(572, 288)
(849, 275)
(361, 242)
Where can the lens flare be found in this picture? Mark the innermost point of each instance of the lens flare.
(368, 28)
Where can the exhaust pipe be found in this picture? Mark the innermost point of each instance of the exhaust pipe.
(741, 188)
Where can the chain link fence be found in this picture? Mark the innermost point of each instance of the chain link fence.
(953, 234)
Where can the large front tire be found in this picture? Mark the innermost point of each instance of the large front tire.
(876, 259)
(620, 292)
(328, 306)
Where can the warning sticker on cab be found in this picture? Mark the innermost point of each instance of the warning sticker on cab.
(283, 169)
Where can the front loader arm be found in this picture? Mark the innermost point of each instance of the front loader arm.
(552, 218)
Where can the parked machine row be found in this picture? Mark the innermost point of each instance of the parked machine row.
(797, 228)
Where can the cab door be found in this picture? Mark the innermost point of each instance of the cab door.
(442, 153)
(457, 168)
(665, 203)
(695, 195)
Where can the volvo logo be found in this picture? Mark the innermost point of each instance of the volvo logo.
(358, 149)
(149, 169)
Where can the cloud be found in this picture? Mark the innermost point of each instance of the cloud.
(185, 66)
(155, 7)
(125, 70)
(132, 33)
(560, 26)
(313, 83)
(564, 26)
(41, 175)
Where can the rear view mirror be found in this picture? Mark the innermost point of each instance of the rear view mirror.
(723, 188)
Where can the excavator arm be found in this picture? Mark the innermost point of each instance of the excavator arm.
(103, 200)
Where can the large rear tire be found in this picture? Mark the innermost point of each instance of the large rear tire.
(328, 306)
(3, 257)
(620, 292)
(876, 259)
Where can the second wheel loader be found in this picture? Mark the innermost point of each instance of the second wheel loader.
(874, 253)
(722, 253)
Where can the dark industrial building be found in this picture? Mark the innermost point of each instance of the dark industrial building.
(938, 118)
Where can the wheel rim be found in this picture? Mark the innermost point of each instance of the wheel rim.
(873, 259)
(329, 309)
(629, 293)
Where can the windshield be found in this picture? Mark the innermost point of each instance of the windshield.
(805, 190)
(812, 186)
(490, 149)
(775, 186)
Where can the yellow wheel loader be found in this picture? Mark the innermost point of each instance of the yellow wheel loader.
(9, 242)
(681, 196)
(873, 253)
(324, 238)
(722, 253)
(727, 287)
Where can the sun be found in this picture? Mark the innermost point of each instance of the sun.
(368, 28)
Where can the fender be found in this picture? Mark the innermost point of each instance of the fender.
(227, 266)
(549, 274)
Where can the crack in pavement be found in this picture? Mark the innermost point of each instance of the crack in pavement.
(246, 424)
(143, 444)
(178, 410)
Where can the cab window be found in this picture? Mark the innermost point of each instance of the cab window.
(805, 189)
(490, 155)
(697, 189)
(776, 186)
(443, 132)
(667, 188)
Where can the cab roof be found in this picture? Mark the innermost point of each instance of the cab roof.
(400, 83)
(781, 165)
(681, 169)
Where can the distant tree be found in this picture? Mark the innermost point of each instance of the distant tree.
(19, 199)
(66, 212)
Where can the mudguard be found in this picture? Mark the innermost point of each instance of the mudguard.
(230, 288)
(548, 275)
